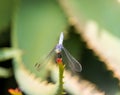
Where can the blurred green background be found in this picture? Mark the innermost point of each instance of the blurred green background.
(34, 26)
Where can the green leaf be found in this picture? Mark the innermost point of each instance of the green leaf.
(104, 12)
(8, 53)
(6, 12)
(5, 73)
(36, 29)
(29, 83)
(98, 24)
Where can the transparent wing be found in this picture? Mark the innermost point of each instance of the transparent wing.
(42, 64)
(74, 65)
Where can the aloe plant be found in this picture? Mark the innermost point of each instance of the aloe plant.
(91, 29)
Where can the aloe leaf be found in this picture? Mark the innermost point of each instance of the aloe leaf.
(29, 83)
(75, 85)
(98, 24)
(5, 73)
(8, 53)
(36, 28)
(7, 8)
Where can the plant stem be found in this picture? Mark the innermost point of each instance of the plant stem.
(61, 70)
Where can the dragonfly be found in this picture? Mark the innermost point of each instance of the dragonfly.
(62, 55)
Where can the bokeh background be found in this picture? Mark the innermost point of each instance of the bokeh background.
(29, 30)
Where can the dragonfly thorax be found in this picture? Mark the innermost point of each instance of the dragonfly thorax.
(58, 48)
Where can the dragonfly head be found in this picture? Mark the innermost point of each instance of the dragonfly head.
(58, 48)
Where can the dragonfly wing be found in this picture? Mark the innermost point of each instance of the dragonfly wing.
(41, 64)
(71, 61)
